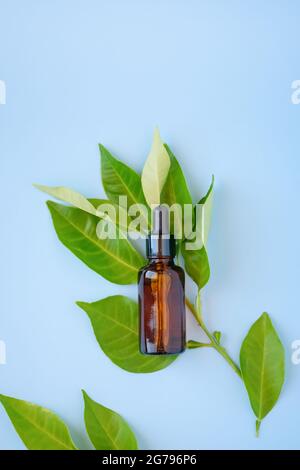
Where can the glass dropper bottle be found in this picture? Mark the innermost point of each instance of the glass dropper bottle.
(161, 292)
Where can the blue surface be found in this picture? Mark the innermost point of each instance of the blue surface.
(216, 77)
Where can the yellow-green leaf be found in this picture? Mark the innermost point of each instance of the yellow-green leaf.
(70, 196)
(155, 171)
(97, 207)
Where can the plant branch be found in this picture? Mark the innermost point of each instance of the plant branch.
(213, 341)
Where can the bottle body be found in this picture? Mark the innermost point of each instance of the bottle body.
(162, 307)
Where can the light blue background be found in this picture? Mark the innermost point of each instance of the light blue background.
(216, 77)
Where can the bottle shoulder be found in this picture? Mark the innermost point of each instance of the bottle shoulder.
(179, 269)
(152, 268)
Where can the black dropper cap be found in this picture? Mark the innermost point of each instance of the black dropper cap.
(160, 242)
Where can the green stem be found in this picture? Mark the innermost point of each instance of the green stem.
(214, 343)
(257, 426)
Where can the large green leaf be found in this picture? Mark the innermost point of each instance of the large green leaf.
(262, 366)
(114, 259)
(155, 171)
(39, 428)
(115, 323)
(196, 260)
(106, 428)
(175, 190)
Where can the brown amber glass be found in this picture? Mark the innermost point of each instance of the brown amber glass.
(162, 307)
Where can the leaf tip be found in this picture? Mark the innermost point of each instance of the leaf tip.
(156, 132)
(265, 317)
(51, 204)
(157, 140)
(103, 150)
(80, 304)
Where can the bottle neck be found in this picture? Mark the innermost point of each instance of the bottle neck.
(159, 247)
(167, 260)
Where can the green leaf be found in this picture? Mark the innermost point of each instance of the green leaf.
(114, 259)
(196, 264)
(262, 366)
(120, 180)
(115, 323)
(155, 171)
(175, 190)
(106, 428)
(39, 428)
(196, 260)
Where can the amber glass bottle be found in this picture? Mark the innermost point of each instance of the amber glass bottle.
(161, 292)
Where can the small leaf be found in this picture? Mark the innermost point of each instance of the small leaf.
(114, 259)
(155, 171)
(106, 428)
(175, 190)
(262, 366)
(115, 323)
(217, 336)
(39, 428)
(196, 264)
